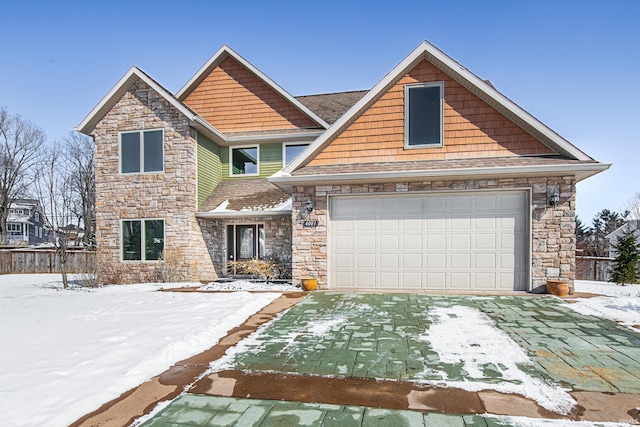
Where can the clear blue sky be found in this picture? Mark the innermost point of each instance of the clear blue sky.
(573, 64)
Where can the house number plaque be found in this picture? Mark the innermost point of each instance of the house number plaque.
(309, 224)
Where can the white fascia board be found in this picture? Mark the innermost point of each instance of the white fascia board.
(281, 137)
(107, 102)
(212, 62)
(241, 214)
(225, 51)
(583, 170)
(504, 101)
(205, 127)
(363, 102)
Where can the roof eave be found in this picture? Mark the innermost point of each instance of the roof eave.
(581, 172)
(118, 90)
(242, 214)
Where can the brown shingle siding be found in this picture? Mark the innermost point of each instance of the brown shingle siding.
(471, 128)
(232, 99)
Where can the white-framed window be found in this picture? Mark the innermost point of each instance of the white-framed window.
(37, 217)
(142, 151)
(13, 227)
(291, 150)
(244, 161)
(142, 239)
(423, 115)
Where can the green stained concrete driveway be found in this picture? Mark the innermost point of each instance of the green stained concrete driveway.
(381, 336)
(370, 335)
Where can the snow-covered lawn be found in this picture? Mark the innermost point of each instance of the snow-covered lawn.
(619, 303)
(66, 352)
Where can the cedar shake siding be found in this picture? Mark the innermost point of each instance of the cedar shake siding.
(472, 128)
(169, 195)
(233, 99)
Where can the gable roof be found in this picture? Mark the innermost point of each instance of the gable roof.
(224, 52)
(479, 87)
(122, 86)
(331, 106)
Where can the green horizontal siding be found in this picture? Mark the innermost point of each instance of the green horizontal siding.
(270, 161)
(209, 167)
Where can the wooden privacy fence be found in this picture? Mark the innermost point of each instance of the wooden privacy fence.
(593, 268)
(17, 261)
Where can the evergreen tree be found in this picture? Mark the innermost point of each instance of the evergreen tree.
(624, 264)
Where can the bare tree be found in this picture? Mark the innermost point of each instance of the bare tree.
(21, 143)
(55, 190)
(79, 157)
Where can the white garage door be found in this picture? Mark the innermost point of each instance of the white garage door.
(459, 241)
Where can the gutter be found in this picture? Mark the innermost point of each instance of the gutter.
(582, 171)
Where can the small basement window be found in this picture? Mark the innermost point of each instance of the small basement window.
(423, 115)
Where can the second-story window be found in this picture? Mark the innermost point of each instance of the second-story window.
(293, 150)
(244, 161)
(142, 151)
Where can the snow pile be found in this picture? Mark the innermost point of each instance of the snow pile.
(607, 288)
(464, 335)
(247, 285)
(620, 303)
(66, 352)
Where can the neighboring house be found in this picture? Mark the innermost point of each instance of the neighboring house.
(431, 180)
(25, 223)
(632, 220)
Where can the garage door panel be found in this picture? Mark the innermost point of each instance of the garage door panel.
(365, 260)
(470, 240)
(390, 261)
(460, 280)
(366, 242)
(412, 242)
(411, 261)
(486, 261)
(388, 242)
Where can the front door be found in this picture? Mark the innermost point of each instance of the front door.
(245, 241)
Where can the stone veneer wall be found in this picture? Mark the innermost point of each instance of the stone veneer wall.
(553, 239)
(277, 237)
(168, 195)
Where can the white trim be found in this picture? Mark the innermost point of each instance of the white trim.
(233, 147)
(292, 143)
(242, 214)
(220, 56)
(110, 99)
(424, 51)
(142, 151)
(586, 169)
(407, 89)
(142, 237)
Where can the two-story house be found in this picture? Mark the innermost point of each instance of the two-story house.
(431, 180)
(25, 223)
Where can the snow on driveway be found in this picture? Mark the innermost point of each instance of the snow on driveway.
(66, 352)
(461, 334)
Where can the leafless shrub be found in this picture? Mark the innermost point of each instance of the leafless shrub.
(268, 269)
(172, 268)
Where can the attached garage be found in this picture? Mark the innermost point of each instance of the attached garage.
(432, 241)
